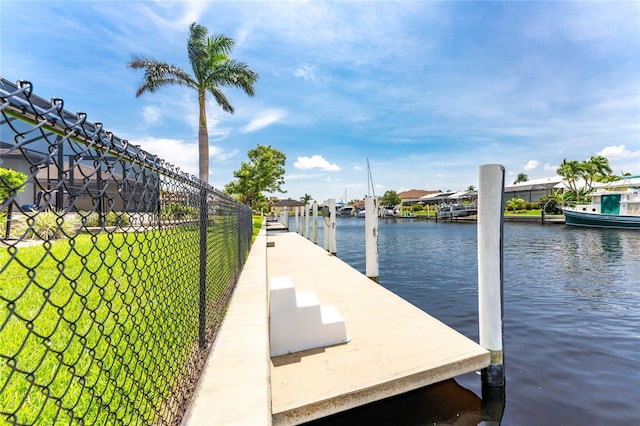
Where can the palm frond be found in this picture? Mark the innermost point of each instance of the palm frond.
(197, 47)
(221, 99)
(220, 43)
(234, 73)
(159, 74)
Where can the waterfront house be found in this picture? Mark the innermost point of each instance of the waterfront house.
(289, 203)
(533, 190)
(414, 196)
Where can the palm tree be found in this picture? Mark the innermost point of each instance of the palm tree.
(521, 178)
(572, 171)
(596, 169)
(212, 69)
(306, 198)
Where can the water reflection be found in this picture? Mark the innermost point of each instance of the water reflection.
(493, 402)
(594, 260)
(611, 245)
(445, 403)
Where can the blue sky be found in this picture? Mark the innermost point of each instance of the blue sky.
(427, 91)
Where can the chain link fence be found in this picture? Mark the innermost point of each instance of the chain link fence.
(115, 271)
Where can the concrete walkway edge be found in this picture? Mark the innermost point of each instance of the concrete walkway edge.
(235, 387)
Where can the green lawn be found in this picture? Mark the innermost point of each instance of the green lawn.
(100, 329)
(257, 224)
(533, 212)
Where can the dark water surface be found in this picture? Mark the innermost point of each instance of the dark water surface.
(571, 319)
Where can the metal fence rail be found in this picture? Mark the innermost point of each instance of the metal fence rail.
(115, 271)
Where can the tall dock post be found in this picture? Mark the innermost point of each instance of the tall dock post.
(314, 209)
(325, 223)
(490, 271)
(306, 222)
(371, 237)
(332, 226)
(285, 217)
(297, 215)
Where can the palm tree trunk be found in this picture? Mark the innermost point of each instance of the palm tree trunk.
(203, 139)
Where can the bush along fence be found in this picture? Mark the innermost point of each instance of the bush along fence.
(115, 271)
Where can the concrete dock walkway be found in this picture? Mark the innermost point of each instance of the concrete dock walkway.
(394, 347)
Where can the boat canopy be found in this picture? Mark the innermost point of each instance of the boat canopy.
(439, 196)
(633, 181)
(463, 195)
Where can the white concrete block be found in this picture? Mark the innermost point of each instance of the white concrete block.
(282, 294)
(297, 321)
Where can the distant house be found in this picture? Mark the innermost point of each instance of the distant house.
(414, 196)
(289, 203)
(533, 190)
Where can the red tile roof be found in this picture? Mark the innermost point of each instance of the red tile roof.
(413, 194)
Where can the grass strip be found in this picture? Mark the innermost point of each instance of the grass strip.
(99, 329)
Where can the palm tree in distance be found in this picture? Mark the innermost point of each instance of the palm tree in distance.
(212, 69)
(306, 198)
(596, 169)
(572, 172)
(521, 178)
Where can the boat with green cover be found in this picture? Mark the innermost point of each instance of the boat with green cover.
(613, 205)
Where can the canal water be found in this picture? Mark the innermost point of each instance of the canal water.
(571, 320)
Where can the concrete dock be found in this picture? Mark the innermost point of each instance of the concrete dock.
(394, 347)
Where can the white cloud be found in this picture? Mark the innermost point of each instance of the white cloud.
(266, 118)
(532, 164)
(306, 72)
(192, 12)
(617, 152)
(181, 153)
(315, 162)
(219, 155)
(175, 151)
(550, 167)
(151, 114)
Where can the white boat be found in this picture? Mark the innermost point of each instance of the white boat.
(346, 211)
(613, 205)
(387, 212)
(452, 211)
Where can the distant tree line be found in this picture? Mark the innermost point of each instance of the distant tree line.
(580, 176)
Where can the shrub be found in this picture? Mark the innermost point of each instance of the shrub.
(173, 210)
(48, 225)
(418, 207)
(117, 219)
(11, 182)
(552, 205)
(515, 204)
(92, 219)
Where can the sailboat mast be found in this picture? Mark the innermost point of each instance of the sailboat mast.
(370, 187)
